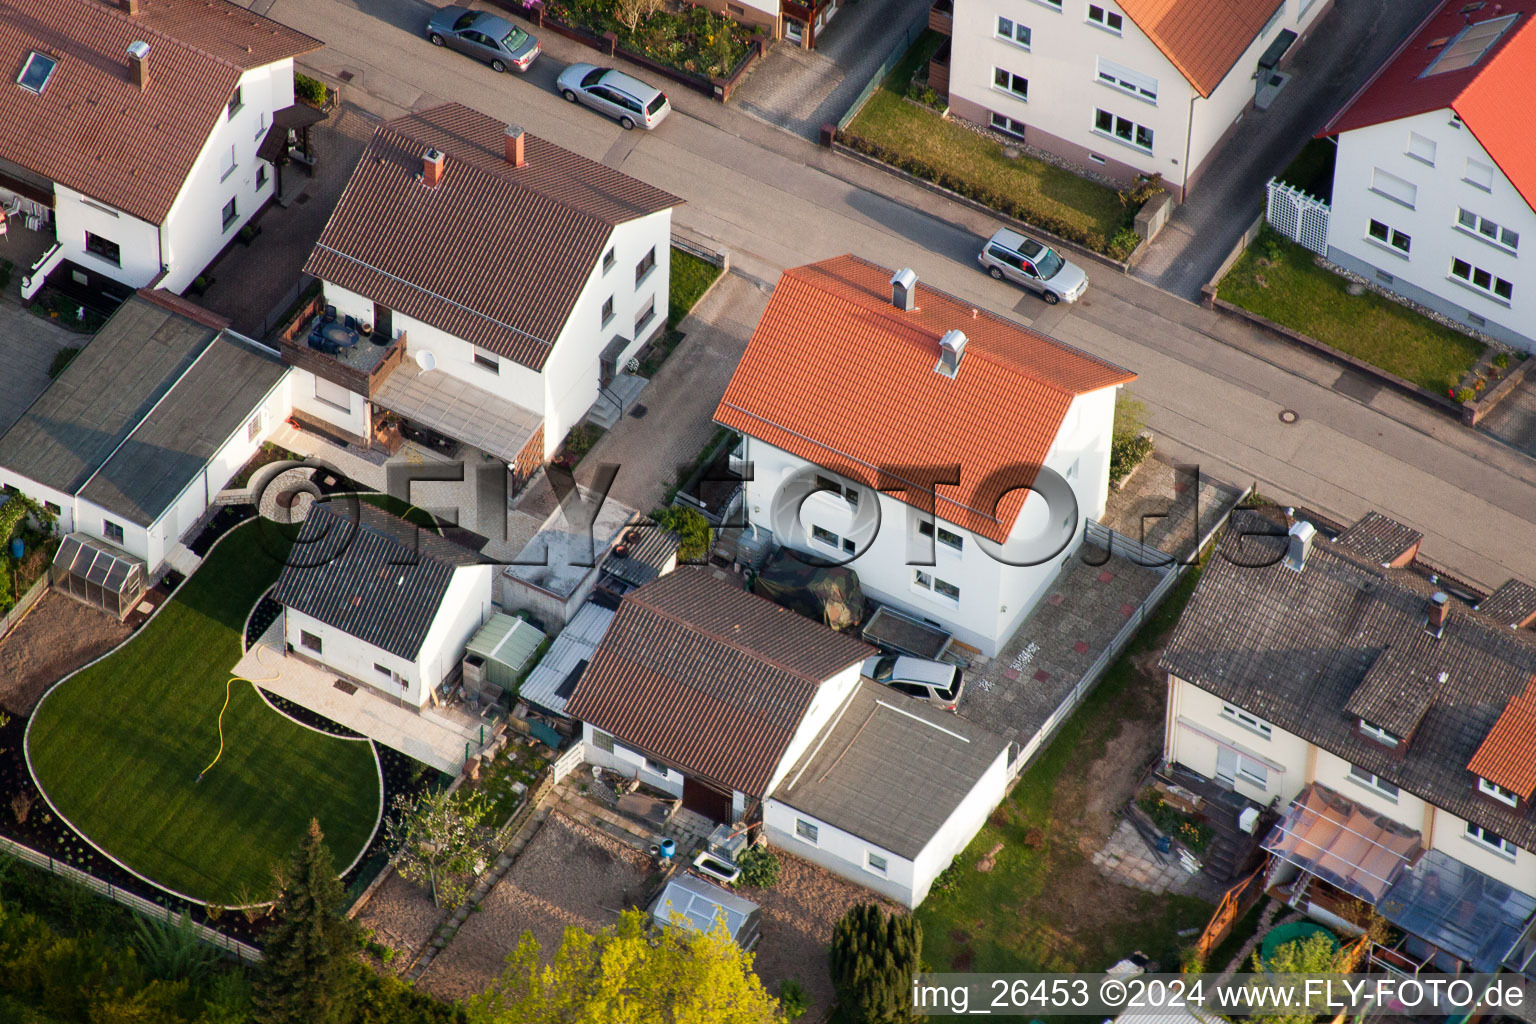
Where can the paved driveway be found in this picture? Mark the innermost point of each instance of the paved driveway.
(1514, 420)
(28, 344)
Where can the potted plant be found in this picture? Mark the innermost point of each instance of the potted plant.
(201, 284)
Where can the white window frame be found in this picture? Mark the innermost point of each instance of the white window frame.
(1012, 35)
(802, 827)
(113, 532)
(1416, 148)
(1498, 792)
(1482, 171)
(1115, 124)
(1389, 186)
(487, 362)
(929, 584)
(1379, 734)
(1478, 229)
(1373, 782)
(1054, 5)
(257, 424)
(941, 535)
(1253, 723)
(848, 492)
(1490, 841)
(1388, 243)
(657, 768)
(1494, 280)
(883, 867)
(330, 400)
(1010, 89)
(1009, 125)
(1248, 768)
(1127, 80)
(229, 168)
(1106, 16)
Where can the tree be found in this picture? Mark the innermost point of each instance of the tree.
(309, 975)
(874, 959)
(630, 13)
(439, 842)
(1318, 953)
(625, 975)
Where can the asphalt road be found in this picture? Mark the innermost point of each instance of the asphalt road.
(1214, 388)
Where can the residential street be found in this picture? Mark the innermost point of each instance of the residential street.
(1214, 388)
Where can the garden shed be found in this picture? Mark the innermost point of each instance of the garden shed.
(92, 573)
(690, 902)
(501, 652)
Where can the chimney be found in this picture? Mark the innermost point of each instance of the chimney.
(1300, 542)
(1439, 605)
(515, 137)
(129, 7)
(951, 348)
(431, 168)
(138, 57)
(904, 290)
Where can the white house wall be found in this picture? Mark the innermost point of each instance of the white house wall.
(466, 605)
(139, 242)
(1423, 274)
(964, 822)
(352, 657)
(829, 699)
(629, 762)
(840, 852)
(307, 398)
(65, 503)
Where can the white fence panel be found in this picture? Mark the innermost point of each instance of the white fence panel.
(568, 761)
(1298, 216)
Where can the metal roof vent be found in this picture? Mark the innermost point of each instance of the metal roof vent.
(951, 349)
(904, 290)
(1299, 544)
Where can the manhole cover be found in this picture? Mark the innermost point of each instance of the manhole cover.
(638, 412)
(1288, 416)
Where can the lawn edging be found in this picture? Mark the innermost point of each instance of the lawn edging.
(1054, 240)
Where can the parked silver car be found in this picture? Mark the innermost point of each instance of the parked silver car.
(494, 40)
(628, 100)
(935, 681)
(1011, 256)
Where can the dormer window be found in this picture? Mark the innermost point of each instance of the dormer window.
(1379, 734)
(1498, 792)
(36, 72)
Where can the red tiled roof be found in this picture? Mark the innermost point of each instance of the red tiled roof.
(711, 679)
(840, 377)
(1507, 757)
(495, 254)
(1493, 97)
(92, 129)
(1202, 38)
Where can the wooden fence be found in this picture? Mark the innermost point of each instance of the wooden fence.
(1235, 902)
(240, 950)
(34, 594)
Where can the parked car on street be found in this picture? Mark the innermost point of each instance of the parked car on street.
(628, 100)
(1010, 256)
(935, 681)
(480, 34)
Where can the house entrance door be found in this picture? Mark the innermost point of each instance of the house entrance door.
(705, 799)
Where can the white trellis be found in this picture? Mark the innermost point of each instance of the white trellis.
(1298, 216)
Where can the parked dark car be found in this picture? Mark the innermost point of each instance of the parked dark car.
(486, 36)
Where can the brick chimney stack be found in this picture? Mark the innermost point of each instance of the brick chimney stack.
(138, 59)
(515, 138)
(129, 7)
(431, 168)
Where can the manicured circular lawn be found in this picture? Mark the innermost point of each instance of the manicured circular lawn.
(117, 749)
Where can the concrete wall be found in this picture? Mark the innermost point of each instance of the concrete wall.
(1441, 191)
(994, 597)
(963, 824)
(352, 657)
(840, 852)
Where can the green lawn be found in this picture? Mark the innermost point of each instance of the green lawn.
(691, 278)
(118, 748)
(1294, 291)
(1045, 907)
(1042, 194)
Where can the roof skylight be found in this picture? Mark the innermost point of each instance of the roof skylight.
(1471, 45)
(36, 72)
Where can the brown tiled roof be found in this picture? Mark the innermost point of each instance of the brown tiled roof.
(840, 377)
(708, 678)
(1507, 757)
(1294, 648)
(1382, 540)
(1202, 38)
(1514, 604)
(1398, 688)
(93, 129)
(495, 254)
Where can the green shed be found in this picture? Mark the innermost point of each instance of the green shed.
(500, 652)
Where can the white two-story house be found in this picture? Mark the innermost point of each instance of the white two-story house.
(898, 430)
(131, 128)
(751, 713)
(518, 278)
(1434, 182)
(1127, 88)
(1385, 709)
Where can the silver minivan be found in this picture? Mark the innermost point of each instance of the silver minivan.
(938, 682)
(1011, 256)
(622, 97)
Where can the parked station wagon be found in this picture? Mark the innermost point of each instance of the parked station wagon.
(1011, 256)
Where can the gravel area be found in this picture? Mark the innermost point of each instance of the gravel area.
(58, 636)
(401, 916)
(798, 915)
(568, 875)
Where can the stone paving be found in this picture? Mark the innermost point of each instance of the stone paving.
(1127, 859)
(1168, 506)
(1513, 421)
(1082, 610)
(800, 90)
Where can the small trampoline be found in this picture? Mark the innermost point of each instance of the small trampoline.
(1296, 931)
(94, 573)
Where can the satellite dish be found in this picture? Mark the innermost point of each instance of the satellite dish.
(426, 360)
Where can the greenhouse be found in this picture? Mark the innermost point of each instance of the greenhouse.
(93, 573)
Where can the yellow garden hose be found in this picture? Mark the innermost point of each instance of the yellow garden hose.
(227, 691)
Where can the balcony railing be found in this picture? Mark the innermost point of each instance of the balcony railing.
(941, 17)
